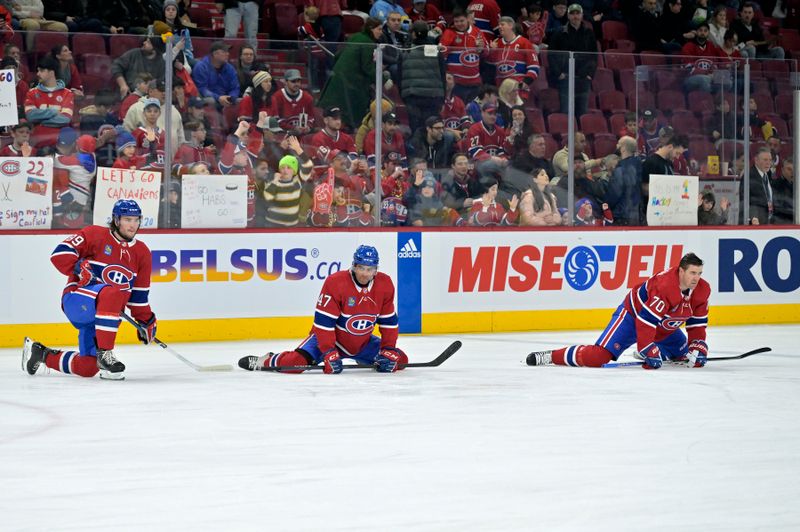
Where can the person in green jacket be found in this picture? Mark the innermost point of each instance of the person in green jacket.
(349, 86)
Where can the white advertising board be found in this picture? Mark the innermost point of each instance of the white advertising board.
(516, 270)
(143, 186)
(214, 201)
(673, 200)
(8, 98)
(195, 276)
(26, 192)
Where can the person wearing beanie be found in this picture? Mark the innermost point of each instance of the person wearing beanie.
(258, 99)
(283, 194)
(173, 22)
(126, 153)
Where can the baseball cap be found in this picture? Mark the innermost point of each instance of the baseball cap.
(292, 74)
(332, 112)
(219, 45)
(488, 106)
(87, 143)
(648, 113)
(433, 120)
(390, 117)
(67, 136)
(196, 102)
(575, 8)
(151, 101)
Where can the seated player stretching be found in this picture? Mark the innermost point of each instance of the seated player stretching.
(650, 316)
(108, 269)
(349, 306)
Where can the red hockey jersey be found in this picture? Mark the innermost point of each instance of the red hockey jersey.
(454, 113)
(487, 16)
(514, 59)
(125, 265)
(463, 55)
(293, 112)
(484, 143)
(660, 308)
(346, 314)
(322, 144)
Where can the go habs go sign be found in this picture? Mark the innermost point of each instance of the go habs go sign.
(526, 268)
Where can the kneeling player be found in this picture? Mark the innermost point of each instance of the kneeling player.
(108, 269)
(650, 316)
(349, 306)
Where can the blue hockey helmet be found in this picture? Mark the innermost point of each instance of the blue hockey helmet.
(126, 207)
(366, 255)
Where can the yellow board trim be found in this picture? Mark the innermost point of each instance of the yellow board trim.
(216, 330)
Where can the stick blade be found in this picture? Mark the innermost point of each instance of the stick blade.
(220, 367)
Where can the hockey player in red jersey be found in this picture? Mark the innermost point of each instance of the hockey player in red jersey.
(650, 316)
(349, 306)
(108, 270)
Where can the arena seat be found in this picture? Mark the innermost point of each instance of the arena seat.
(592, 124)
(670, 100)
(613, 101)
(87, 43)
(119, 44)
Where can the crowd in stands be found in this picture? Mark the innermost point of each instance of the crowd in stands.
(473, 116)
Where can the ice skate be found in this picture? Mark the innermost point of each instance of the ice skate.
(33, 355)
(540, 358)
(106, 361)
(253, 362)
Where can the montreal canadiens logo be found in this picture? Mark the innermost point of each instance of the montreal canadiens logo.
(581, 267)
(672, 324)
(469, 59)
(10, 168)
(505, 68)
(360, 324)
(117, 275)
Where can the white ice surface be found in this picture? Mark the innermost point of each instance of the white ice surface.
(480, 443)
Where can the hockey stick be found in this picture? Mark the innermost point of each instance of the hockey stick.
(447, 353)
(710, 359)
(196, 367)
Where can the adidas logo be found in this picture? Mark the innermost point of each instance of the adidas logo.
(409, 251)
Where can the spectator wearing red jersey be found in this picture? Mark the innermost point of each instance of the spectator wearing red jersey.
(258, 99)
(293, 106)
(20, 146)
(454, 112)
(487, 17)
(330, 17)
(485, 210)
(49, 105)
(391, 140)
(6, 31)
(429, 14)
(150, 138)
(313, 36)
(703, 54)
(463, 45)
(193, 150)
(486, 139)
(514, 57)
(330, 139)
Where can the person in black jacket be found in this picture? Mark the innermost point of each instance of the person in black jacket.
(761, 191)
(421, 77)
(460, 186)
(433, 144)
(574, 37)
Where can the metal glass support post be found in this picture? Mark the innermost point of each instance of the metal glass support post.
(571, 139)
(378, 131)
(167, 172)
(745, 199)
